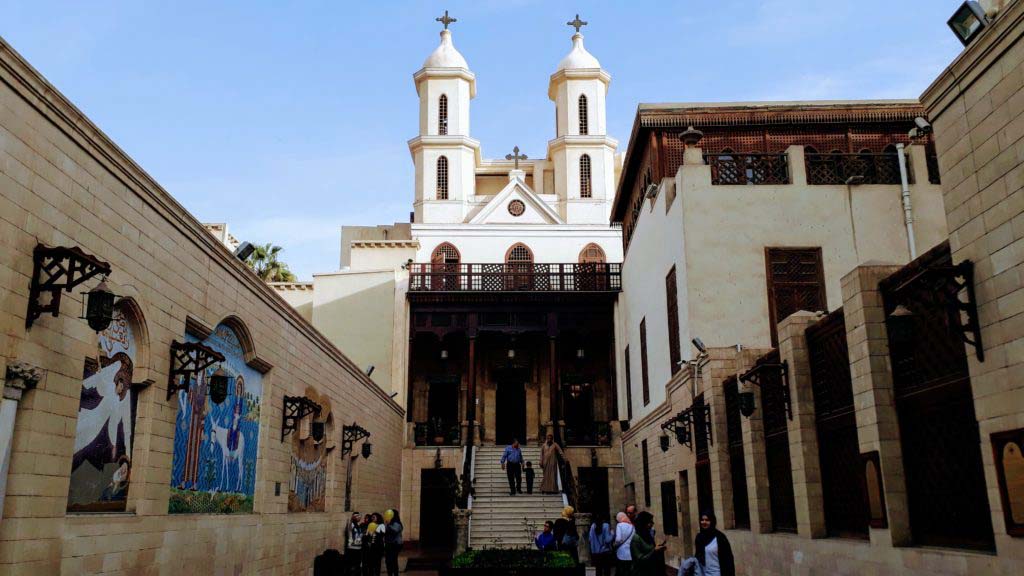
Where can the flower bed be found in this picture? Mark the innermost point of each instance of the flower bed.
(513, 563)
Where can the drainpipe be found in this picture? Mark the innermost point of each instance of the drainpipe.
(908, 214)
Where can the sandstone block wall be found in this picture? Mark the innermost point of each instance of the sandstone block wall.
(62, 182)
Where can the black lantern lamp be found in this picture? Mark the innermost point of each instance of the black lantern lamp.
(968, 21)
(352, 434)
(99, 307)
(317, 430)
(663, 440)
(747, 402)
(367, 450)
(219, 385)
(61, 269)
(901, 325)
(679, 425)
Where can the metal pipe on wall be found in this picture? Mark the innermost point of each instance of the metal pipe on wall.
(908, 213)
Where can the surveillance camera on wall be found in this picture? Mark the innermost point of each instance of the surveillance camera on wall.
(699, 345)
(921, 128)
(244, 250)
(651, 191)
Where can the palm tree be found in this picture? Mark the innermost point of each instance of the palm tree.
(264, 262)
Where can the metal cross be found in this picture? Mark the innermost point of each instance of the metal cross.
(445, 20)
(577, 23)
(515, 156)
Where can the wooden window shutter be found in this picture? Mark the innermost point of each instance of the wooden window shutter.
(796, 281)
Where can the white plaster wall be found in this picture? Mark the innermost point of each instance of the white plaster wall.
(301, 300)
(567, 93)
(379, 258)
(356, 311)
(656, 246)
(457, 90)
(716, 236)
(489, 242)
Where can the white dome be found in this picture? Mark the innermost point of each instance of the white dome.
(578, 58)
(445, 55)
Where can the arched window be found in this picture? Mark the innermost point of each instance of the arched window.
(519, 260)
(442, 115)
(592, 254)
(444, 265)
(442, 178)
(445, 253)
(584, 125)
(519, 254)
(585, 188)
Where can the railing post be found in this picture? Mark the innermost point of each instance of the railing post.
(797, 165)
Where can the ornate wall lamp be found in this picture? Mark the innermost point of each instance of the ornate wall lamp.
(295, 409)
(352, 434)
(766, 374)
(951, 280)
(187, 360)
(678, 425)
(57, 269)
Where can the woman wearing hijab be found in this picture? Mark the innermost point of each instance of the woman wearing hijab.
(550, 451)
(712, 548)
(644, 551)
(392, 541)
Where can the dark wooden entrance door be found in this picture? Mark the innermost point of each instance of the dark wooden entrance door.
(510, 410)
(437, 530)
(594, 490)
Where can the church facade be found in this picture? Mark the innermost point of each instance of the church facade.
(501, 291)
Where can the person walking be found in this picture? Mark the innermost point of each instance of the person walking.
(624, 531)
(643, 550)
(712, 549)
(550, 452)
(529, 477)
(354, 545)
(600, 540)
(512, 464)
(392, 541)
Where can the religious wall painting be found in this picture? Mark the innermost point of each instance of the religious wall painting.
(101, 464)
(311, 446)
(216, 433)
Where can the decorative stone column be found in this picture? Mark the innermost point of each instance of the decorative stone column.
(461, 529)
(583, 535)
(803, 437)
(18, 379)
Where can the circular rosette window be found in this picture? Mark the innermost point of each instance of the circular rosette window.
(516, 208)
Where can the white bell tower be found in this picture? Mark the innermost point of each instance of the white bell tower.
(582, 152)
(444, 154)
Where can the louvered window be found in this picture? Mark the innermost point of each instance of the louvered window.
(585, 188)
(737, 464)
(584, 128)
(442, 115)
(643, 362)
(672, 305)
(647, 475)
(629, 388)
(442, 178)
(796, 281)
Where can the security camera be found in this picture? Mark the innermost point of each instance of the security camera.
(921, 128)
(699, 345)
(651, 191)
(244, 250)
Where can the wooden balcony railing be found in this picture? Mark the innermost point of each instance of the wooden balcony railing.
(515, 277)
(839, 168)
(739, 169)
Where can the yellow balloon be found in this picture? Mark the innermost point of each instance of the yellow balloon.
(388, 515)
(372, 527)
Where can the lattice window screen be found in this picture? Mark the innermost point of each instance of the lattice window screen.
(445, 254)
(442, 178)
(585, 188)
(674, 352)
(592, 254)
(584, 124)
(442, 115)
(519, 254)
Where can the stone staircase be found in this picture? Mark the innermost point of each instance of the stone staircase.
(503, 521)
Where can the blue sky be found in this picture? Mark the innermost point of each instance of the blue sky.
(288, 120)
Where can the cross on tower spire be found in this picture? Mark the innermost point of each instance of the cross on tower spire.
(515, 156)
(577, 23)
(446, 20)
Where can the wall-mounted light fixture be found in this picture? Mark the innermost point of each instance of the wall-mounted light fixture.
(295, 409)
(57, 269)
(444, 354)
(760, 375)
(188, 359)
(219, 385)
(352, 434)
(581, 353)
(98, 307)
(968, 21)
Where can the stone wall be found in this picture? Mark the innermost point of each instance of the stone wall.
(977, 109)
(64, 183)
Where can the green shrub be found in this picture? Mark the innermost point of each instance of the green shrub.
(512, 559)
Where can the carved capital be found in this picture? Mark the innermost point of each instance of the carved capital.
(20, 378)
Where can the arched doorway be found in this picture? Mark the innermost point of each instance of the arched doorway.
(444, 267)
(519, 260)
